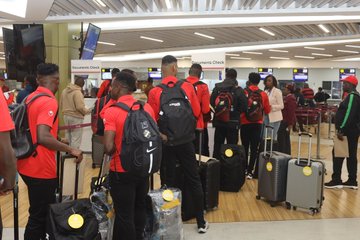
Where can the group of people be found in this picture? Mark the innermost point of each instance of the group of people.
(249, 110)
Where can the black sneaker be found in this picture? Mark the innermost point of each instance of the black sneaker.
(249, 176)
(350, 184)
(333, 184)
(204, 228)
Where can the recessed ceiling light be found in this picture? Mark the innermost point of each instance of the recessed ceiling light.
(323, 28)
(2, 53)
(2, 58)
(256, 53)
(305, 57)
(240, 58)
(315, 48)
(280, 58)
(203, 35)
(347, 51)
(168, 4)
(352, 46)
(151, 39)
(232, 54)
(267, 31)
(1, 42)
(322, 54)
(277, 50)
(107, 43)
(100, 3)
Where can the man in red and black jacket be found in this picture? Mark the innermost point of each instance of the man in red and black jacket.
(105, 85)
(203, 95)
(308, 94)
(185, 152)
(251, 131)
(128, 191)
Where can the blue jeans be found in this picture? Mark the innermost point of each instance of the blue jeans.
(275, 125)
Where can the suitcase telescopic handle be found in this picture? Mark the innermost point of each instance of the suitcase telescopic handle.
(266, 139)
(200, 130)
(299, 147)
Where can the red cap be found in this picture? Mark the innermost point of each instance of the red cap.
(351, 79)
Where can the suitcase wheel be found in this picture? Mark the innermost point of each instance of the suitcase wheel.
(272, 204)
(313, 211)
(294, 208)
(288, 205)
(258, 197)
(93, 166)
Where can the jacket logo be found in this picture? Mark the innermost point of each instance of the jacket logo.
(147, 134)
(150, 150)
(175, 104)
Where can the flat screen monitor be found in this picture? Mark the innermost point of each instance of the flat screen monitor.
(90, 43)
(154, 73)
(264, 72)
(300, 74)
(106, 73)
(345, 72)
(9, 50)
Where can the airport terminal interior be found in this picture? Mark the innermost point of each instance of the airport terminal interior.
(314, 42)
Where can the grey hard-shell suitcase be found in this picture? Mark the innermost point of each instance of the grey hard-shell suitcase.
(305, 182)
(273, 167)
(97, 150)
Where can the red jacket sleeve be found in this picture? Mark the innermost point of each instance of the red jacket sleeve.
(266, 103)
(154, 101)
(204, 99)
(194, 101)
(103, 87)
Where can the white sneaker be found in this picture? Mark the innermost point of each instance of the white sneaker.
(204, 228)
(249, 176)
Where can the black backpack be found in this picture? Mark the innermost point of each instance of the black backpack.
(224, 105)
(97, 124)
(21, 139)
(141, 148)
(176, 118)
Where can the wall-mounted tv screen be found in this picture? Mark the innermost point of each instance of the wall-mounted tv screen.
(300, 74)
(106, 73)
(155, 73)
(90, 42)
(9, 50)
(345, 72)
(264, 72)
(29, 48)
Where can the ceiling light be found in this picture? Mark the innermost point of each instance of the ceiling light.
(321, 54)
(2, 58)
(1, 42)
(267, 31)
(323, 28)
(107, 43)
(240, 58)
(203, 35)
(277, 50)
(347, 51)
(305, 57)
(151, 39)
(232, 54)
(347, 60)
(100, 3)
(168, 4)
(280, 58)
(256, 53)
(352, 46)
(2, 53)
(315, 48)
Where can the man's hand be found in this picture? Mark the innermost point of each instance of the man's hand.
(340, 136)
(78, 154)
(164, 138)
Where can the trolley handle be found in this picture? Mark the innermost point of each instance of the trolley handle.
(266, 139)
(299, 147)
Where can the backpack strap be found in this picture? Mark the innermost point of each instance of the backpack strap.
(126, 107)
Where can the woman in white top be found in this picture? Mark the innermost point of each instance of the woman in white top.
(276, 102)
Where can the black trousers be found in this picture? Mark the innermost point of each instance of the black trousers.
(284, 143)
(250, 139)
(128, 193)
(351, 161)
(41, 193)
(221, 133)
(185, 155)
(205, 142)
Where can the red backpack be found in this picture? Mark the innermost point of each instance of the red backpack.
(223, 105)
(255, 110)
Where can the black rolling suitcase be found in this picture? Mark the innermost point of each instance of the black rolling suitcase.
(273, 167)
(232, 167)
(209, 171)
(97, 150)
(72, 220)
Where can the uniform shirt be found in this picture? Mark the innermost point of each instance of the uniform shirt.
(104, 88)
(265, 103)
(41, 111)
(155, 94)
(114, 120)
(288, 112)
(308, 93)
(203, 95)
(6, 122)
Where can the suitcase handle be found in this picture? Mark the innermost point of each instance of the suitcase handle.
(200, 130)
(271, 139)
(299, 147)
(63, 158)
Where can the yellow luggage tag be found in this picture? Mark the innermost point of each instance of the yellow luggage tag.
(75, 221)
(229, 153)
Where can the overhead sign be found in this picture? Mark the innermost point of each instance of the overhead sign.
(345, 72)
(85, 66)
(264, 72)
(209, 60)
